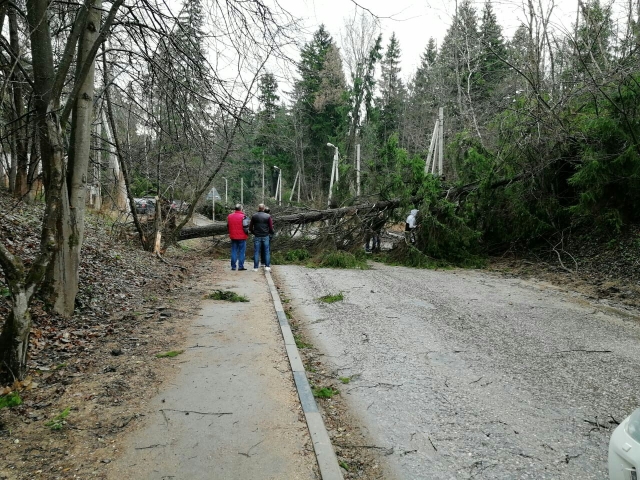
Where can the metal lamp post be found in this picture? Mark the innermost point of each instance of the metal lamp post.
(226, 200)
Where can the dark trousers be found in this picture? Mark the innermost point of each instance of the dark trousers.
(375, 236)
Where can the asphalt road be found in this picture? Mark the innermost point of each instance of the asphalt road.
(466, 374)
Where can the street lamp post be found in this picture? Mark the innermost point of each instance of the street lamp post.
(334, 171)
(226, 200)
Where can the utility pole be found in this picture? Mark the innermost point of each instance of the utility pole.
(278, 197)
(432, 147)
(357, 170)
(440, 140)
(334, 172)
(226, 199)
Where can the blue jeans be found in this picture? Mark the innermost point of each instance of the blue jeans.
(238, 249)
(258, 244)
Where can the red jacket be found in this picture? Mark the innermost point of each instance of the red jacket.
(234, 225)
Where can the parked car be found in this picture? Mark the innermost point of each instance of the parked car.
(624, 449)
(145, 205)
(179, 206)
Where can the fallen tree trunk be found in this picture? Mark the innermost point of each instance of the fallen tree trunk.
(311, 216)
(220, 228)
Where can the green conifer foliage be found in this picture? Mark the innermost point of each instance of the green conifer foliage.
(392, 91)
(493, 51)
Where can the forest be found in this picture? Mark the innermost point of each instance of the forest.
(104, 102)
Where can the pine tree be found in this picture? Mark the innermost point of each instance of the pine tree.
(492, 69)
(457, 63)
(422, 85)
(321, 102)
(392, 91)
(268, 95)
(423, 101)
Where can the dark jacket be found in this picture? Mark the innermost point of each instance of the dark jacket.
(261, 224)
(234, 225)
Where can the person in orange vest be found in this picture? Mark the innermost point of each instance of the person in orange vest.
(238, 237)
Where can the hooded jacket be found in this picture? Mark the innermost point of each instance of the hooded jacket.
(411, 220)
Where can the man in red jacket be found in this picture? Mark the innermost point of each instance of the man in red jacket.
(238, 237)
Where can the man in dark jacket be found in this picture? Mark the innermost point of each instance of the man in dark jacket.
(261, 226)
(238, 238)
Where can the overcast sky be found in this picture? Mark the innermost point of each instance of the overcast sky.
(413, 21)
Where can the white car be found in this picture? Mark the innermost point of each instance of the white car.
(624, 449)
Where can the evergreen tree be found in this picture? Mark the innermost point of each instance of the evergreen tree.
(321, 102)
(457, 66)
(392, 91)
(492, 68)
(268, 96)
(423, 101)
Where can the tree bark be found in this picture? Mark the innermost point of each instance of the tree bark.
(20, 127)
(64, 272)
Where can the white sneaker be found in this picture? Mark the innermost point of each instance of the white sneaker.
(255, 269)
(267, 269)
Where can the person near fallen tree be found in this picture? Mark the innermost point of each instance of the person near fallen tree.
(261, 226)
(238, 237)
(411, 226)
(376, 224)
(262, 251)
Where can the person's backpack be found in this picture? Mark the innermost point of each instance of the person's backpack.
(245, 224)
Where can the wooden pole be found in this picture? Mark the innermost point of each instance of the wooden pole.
(441, 140)
(242, 192)
(432, 146)
(333, 173)
(293, 188)
(358, 170)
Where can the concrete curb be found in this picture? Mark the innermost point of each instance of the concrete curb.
(326, 457)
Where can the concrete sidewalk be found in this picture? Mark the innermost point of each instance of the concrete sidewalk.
(232, 412)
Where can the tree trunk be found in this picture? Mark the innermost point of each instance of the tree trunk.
(64, 272)
(14, 340)
(20, 129)
(302, 218)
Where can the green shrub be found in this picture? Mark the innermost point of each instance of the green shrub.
(341, 259)
(10, 400)
(227, 295)
(332, 298)
(296, 256)
(324, 392)
(58, 422)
